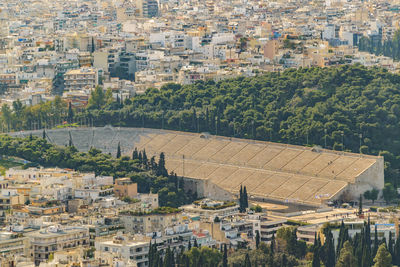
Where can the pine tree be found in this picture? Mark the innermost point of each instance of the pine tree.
(119, 150)
(257, 238)
(225, 257)
(346, 258)
(383, 257)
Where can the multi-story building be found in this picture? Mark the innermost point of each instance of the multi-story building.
(13, 245)
(137, 222)
(78, 79)
(55, 238)
(124, 187)
(128, 249)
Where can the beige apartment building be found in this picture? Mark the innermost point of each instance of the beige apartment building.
(124, 187)
(84, 78)
(55, 238)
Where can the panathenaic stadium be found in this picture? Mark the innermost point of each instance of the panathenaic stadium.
(217, 166)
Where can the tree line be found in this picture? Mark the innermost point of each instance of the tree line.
(150, 174)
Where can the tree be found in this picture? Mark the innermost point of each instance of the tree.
(97, 98)
(70, 113)
(135, 154)
(396, 252)
(346, 258)
(245, 198)
(161, 165)
(118, 150)
(389, 193)
(257, 239)
(329, 250)
(383, 257)
(372, 194)
(225, 257)
(247, 262)
(360, 207)
(316, 262)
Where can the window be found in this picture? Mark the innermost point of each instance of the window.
(105, 248)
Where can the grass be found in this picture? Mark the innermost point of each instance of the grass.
(67, 125)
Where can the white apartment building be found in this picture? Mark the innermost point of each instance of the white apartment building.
(125, 248)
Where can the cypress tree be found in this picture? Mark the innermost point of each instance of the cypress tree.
(245, 198)
(257, 238)
(161, 165)
(241, 199)
(30, 137)
(225, 257)
(315, 260)
(396, 252)
(70, 113)
(195, 244)
(187, 261)
(190, 245)
(119, 150)
(329, 250)
(135, 154)
(168, 258)
(360, 208)
(341, 239)
(145, 160)
(140, 157)
(376, 241)
(272, 245)
(247, 262)
(44, 134)
(270, 258)
(93, 46)
(390, 244)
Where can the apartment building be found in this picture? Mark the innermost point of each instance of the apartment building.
(124, 187)
(79, 79)
(124, 247)
(56, 238)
